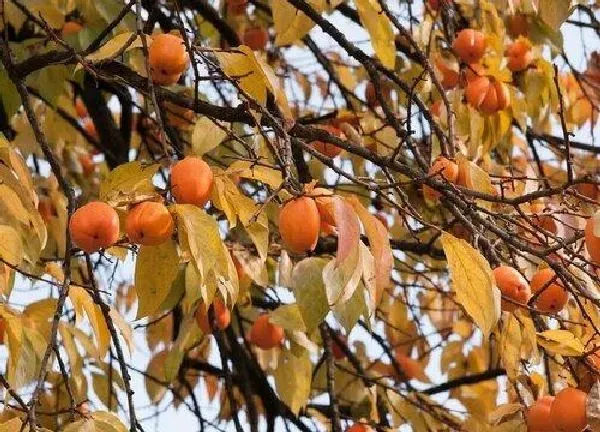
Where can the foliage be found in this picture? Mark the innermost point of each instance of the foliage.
(332, 183)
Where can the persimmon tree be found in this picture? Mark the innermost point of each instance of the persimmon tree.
(308, 215)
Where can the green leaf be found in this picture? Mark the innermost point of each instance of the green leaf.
(380, 29)
(561, 342)
(206, 136)
(127, 181)
(348, 313)
(8, 93)
(473, 282)
(293, 379)
(156, 268)
(309, 289)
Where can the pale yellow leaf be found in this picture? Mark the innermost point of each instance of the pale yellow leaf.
(115, 45)
(291, 24)
(309, 290)
(293, 379)
(473, 282)
(380, 29)
(288, 316)
(11, 246)
(128, 180)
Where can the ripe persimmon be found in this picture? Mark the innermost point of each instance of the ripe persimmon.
(411, 368)
(324, 200)
(71, 28)
(265, 334)
(2, 329)
(512, 285)
(469, 45)
(554, 297)
(435, 5)
(192, 181)
(588, 190)
(487, 95)
(94, 226)
(519, 55)
(538, 415)
(236, 7)
(80, 108)
(177, 116)
(87, 164)
(517, 25)
(359, 427)
(46, 209)
(89, 126)
(299, 224)
(167, 57)
(256, 38)
(328, 149)
(592, 242)
(568, 411)
(336, 349)
(448, 73)
(222, 316)
(470, 72)
(149, 223)
(371, 93)
(441, 167)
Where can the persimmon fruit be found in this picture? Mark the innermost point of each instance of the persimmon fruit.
(71, 27)
(80, 108)
(512, 285)
(592, 242)
(487, 95)
(299, 224)
(469, 45)
(256, 38)
(46, 209)
(87, 164)
(265, 334)
(519, 55)
(568, 410)
(324, 201)
(359, 427)
(89, 126)
(441, 167)
(94, 226)
(149, 223)
(192, 181)
(167, 58)
(554, 297)
(538, 415)
(471, 72)
(328, 149)
(448, 73)
(222, 316)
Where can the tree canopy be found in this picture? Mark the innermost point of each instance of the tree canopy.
(345, 215)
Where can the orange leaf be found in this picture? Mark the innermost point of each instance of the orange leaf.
(348, 229)
(379, 243)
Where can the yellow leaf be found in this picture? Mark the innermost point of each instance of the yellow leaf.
(206, 136)
(155, 374)
(264, 174)
(111, 48)
(380, 29)
(156, 268)
(309, 289)
(13, 425)
(293, 379)
(290, 24)
(473, 282)
(288, 316)
(510, 346)
(83, 302)
(561, 342)
(11, 246)
(128, 180)
(555, 12)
